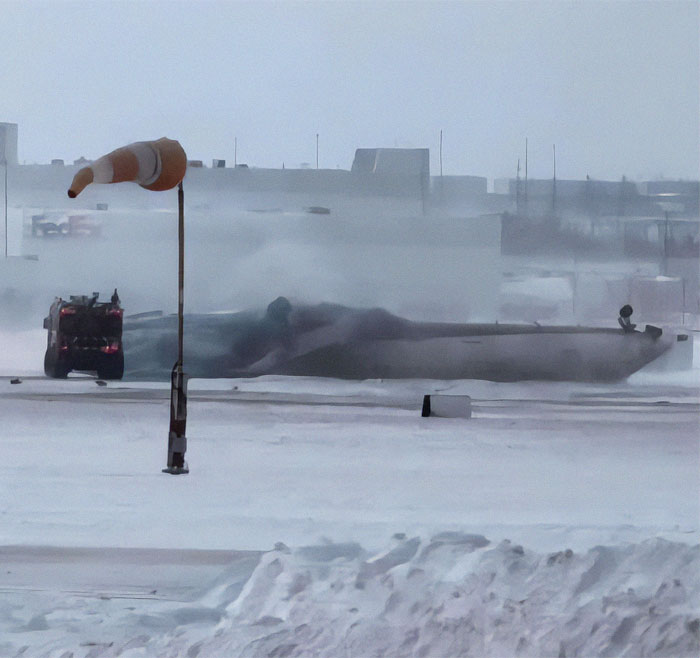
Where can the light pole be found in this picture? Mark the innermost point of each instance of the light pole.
(4, 162)
(157, 165)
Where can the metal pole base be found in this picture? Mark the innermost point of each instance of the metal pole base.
(177, 441)
(184, 470)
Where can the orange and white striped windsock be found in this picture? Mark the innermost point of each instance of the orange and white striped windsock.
(157, 165)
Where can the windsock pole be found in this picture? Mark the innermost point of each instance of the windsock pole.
(157, 165)
(177, 439)
(180, 271)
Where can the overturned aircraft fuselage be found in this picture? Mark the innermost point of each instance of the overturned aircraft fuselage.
(335, 341)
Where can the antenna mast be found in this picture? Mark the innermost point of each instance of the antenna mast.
(525, 194)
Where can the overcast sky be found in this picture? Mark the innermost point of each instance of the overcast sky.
(613, 84)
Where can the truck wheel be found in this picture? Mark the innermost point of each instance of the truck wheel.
(54, 366)
(112, 367)
(48, 363)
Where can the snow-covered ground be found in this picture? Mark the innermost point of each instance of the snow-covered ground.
(328, 518)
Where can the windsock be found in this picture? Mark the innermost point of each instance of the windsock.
(157, 165)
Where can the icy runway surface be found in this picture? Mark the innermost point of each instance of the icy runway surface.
(559, 520)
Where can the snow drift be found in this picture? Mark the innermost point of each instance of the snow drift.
(452, 595)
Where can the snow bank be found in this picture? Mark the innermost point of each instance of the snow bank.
(458, 595)
(452, 595)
